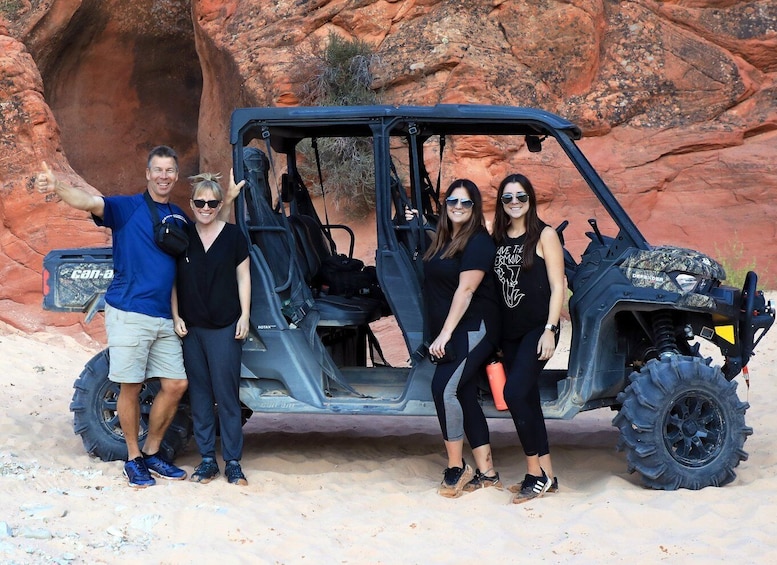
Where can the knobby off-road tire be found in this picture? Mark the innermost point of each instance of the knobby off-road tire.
(682, 425)
(95, 418)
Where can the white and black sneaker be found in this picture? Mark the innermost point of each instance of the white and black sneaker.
(532, 487)
(517, 488)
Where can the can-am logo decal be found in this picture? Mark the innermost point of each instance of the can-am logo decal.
(84, 274)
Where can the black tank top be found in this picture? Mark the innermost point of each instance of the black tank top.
(525, 293)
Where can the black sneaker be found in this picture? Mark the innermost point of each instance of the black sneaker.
(481, 480)
(532, 487)
(454, 479)
(137, 473)
(235, 474)
(206, 471)
(163, 469)
(552, 488)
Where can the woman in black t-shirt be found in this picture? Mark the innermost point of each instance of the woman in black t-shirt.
(462, 312)
(529, 268)
(211, 302)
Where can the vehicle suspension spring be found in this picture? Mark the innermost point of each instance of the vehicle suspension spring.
(663, 334)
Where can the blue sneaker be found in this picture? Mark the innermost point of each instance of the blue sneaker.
(206, 471)
(137, 473)
(235, 474)
(163, 469)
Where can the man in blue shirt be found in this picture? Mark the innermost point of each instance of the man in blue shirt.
(138, 317)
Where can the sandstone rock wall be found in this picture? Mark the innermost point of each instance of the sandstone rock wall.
(677, 100)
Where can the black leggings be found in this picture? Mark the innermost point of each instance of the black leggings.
(454, 389)
(522, 392)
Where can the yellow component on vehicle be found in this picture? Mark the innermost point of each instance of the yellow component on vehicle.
(726, 332)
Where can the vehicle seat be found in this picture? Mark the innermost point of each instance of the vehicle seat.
(291, 251)
(312, 250)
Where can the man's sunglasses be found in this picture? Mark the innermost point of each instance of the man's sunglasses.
(212, 204)
(465, 202)
(507, 197)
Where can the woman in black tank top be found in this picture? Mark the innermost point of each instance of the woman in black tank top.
(529, 268)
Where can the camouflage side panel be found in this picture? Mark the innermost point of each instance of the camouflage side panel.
(77, 284)
(667, 259)
(697, 301)
(658, 267)
(72, 281)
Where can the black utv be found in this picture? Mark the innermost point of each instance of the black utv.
(639, 314)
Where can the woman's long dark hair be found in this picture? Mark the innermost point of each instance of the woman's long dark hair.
(475, 223)
(534, 225)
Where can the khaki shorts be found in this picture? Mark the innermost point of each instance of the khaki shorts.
(142, 347)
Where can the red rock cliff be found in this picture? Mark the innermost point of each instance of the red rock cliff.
(678, 102)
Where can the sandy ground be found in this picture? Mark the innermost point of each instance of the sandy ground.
(347, 489)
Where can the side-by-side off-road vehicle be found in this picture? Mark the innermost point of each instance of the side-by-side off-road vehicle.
(642, 317)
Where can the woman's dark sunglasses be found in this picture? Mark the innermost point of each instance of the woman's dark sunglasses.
(465, 202)
(212, 204)
(507, 197)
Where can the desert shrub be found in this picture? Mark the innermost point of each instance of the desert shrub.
(348, 169)
(10, 7)
(338, 74)
(736, 262)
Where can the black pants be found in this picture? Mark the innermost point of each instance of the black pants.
(454, 389)
(522, 392)
(212, 361)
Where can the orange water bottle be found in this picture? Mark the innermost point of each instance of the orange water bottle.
(496, 380)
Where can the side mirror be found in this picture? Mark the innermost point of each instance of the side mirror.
(533, 144)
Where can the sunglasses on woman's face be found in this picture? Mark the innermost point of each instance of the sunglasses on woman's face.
(466, 203)
(212, 204)
(507, 197)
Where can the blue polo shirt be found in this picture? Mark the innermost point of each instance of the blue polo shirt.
(143, 274)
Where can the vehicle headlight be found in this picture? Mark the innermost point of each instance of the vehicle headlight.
(686, 282)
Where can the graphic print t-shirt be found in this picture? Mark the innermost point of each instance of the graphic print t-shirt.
(525, 294)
